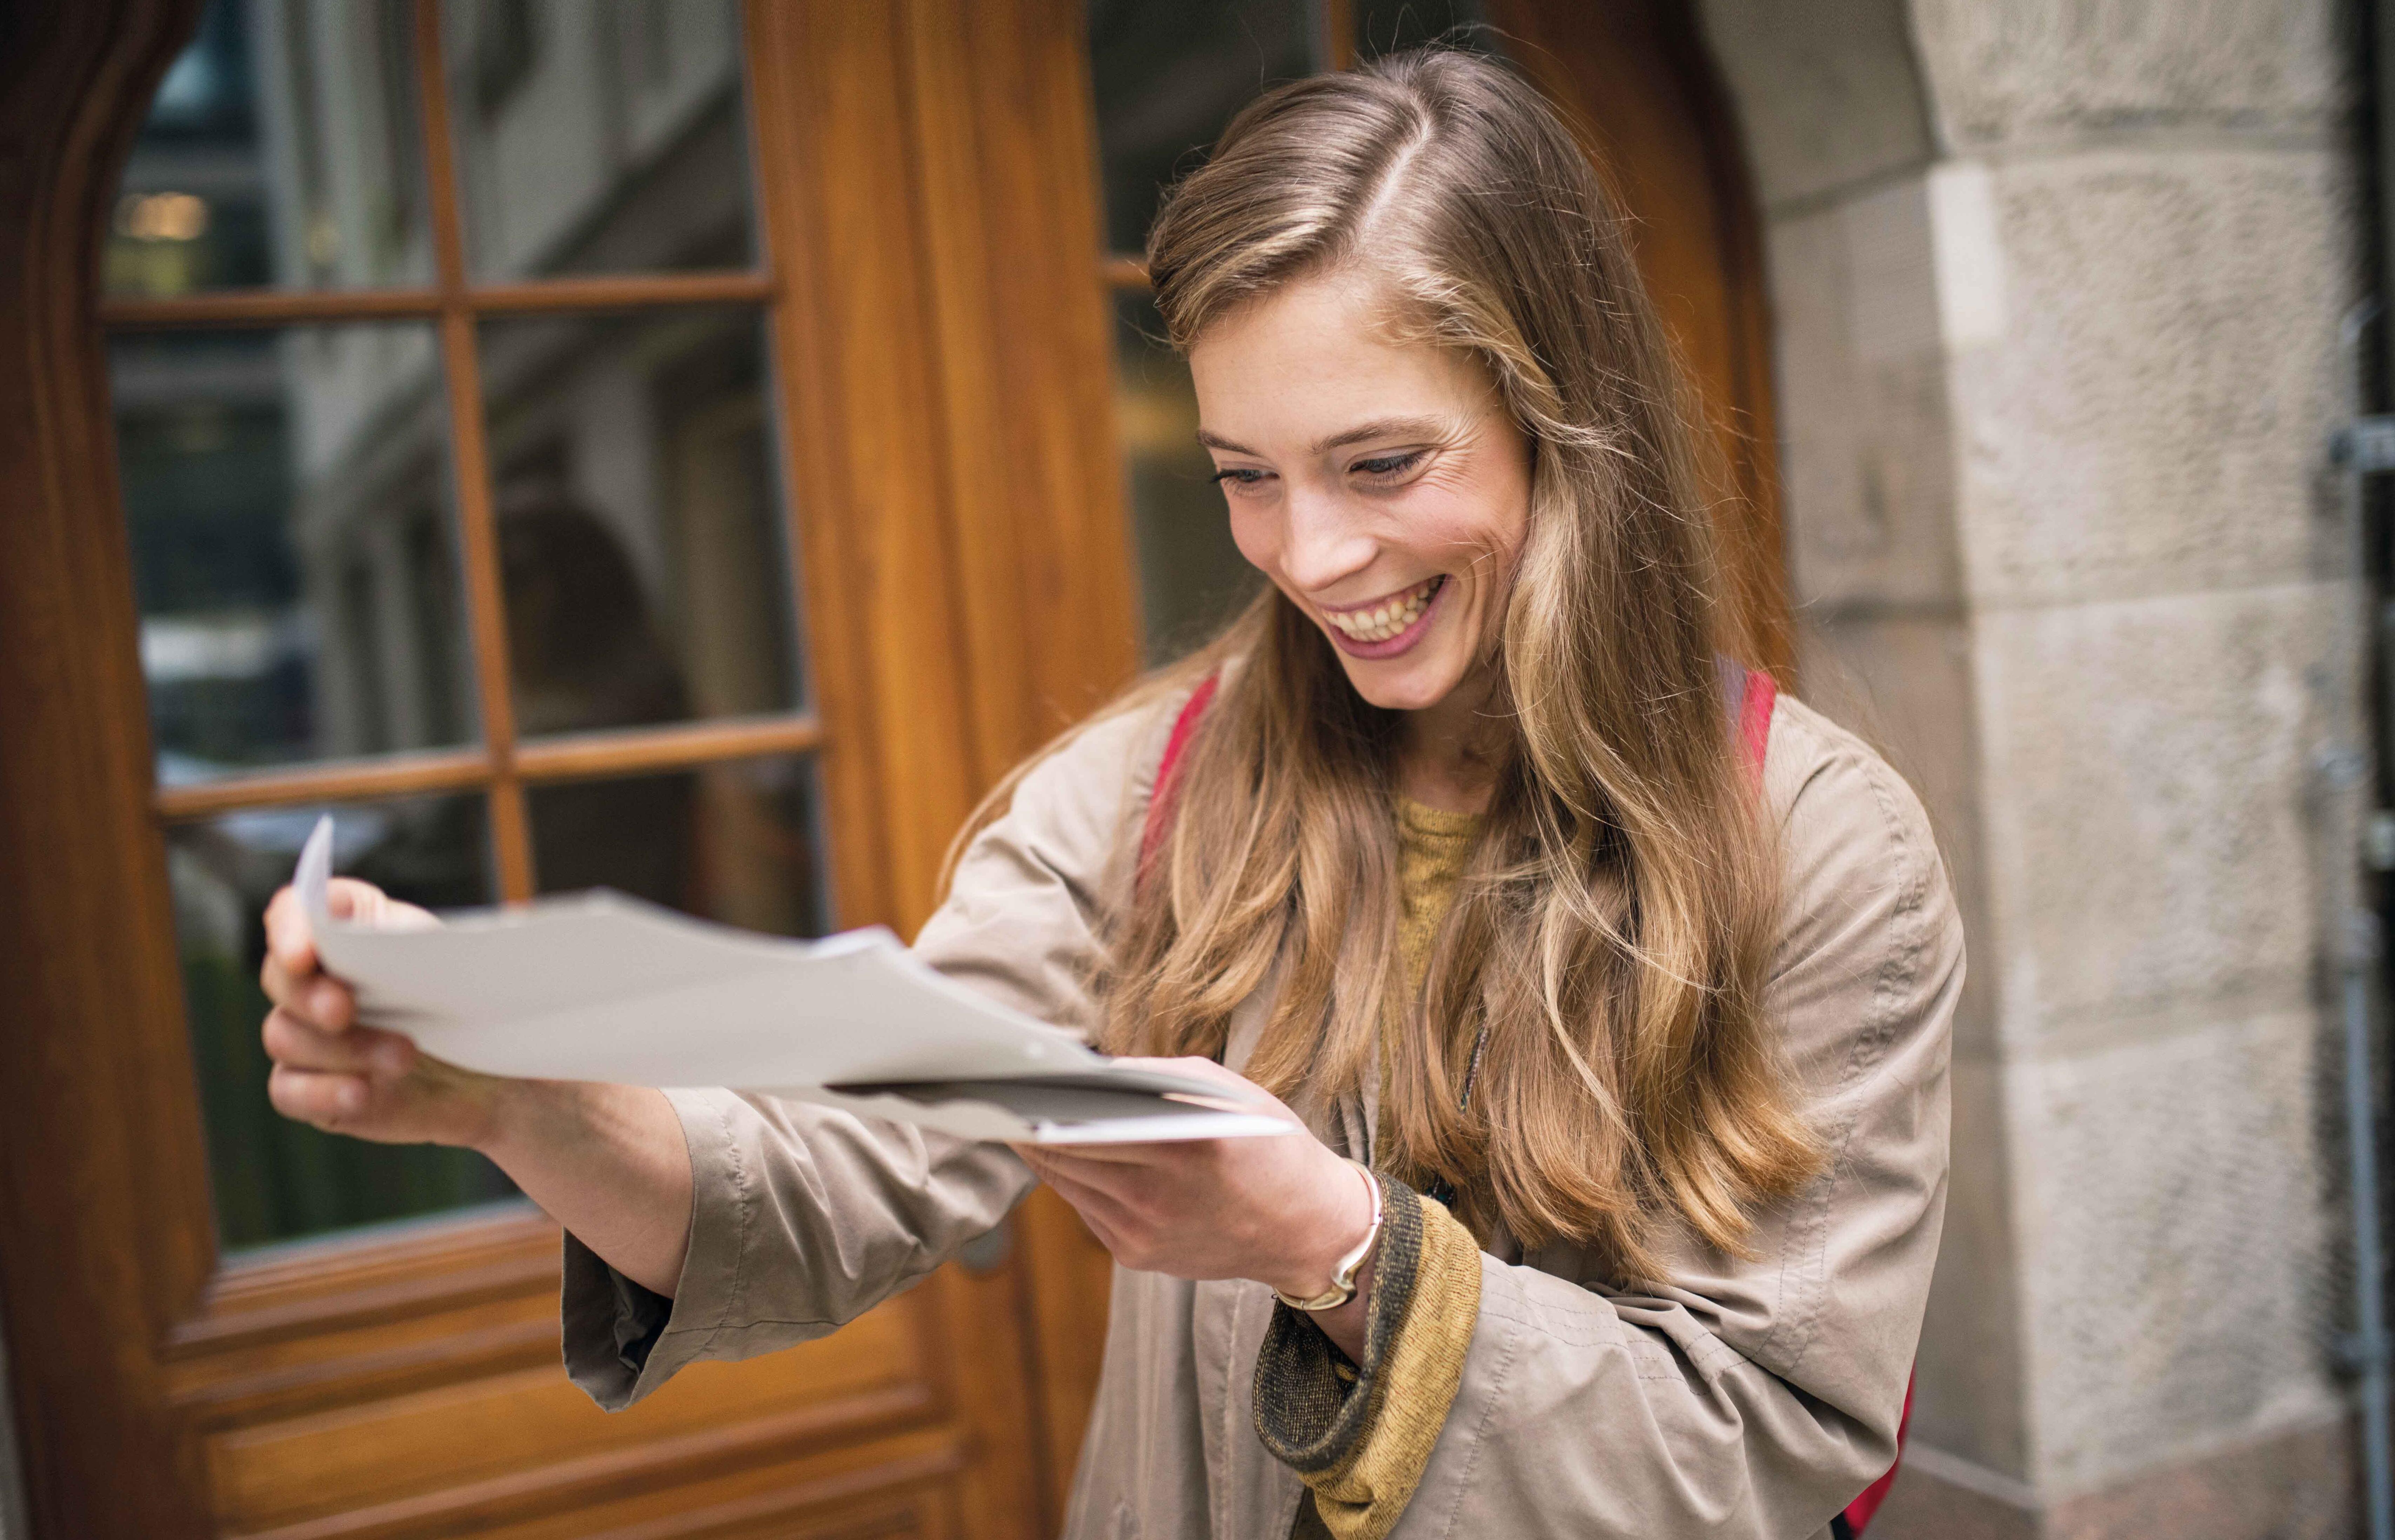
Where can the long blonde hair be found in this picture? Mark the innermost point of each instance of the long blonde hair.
(1605, 957)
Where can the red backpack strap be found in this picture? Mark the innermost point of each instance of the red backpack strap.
(1159, 801)
(1754, 719)
(1849, 1525)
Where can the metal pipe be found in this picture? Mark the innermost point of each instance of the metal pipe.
(2351, 771)
(2360, 956)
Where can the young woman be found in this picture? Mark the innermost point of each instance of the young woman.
(1619, 1040)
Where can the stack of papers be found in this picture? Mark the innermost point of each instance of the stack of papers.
(598, 986)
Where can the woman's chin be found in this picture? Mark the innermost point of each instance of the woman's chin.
(1410, 683)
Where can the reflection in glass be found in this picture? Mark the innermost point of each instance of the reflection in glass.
(734, 842)
(283, 148)
(1192, 577)
(294, 549)
(598, 138)
(646, 572)
(275, 1180)
(1169, 74)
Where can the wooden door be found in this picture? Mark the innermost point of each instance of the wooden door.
(875, 553)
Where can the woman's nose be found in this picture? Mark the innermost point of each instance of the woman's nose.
(1325, 543)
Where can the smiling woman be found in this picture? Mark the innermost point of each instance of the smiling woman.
(1613, 1042)
(1362, 475)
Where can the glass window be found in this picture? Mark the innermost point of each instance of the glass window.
(275, 1180)
(1168, 78)
(295, 516)
(1192, 576)
(734, 842)
(646, 571)
(598, 138)
(283, 149)
(1169, 74)
(294, 544)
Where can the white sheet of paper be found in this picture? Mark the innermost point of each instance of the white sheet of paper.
(597, 986)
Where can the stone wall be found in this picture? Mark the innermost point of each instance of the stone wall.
(2057, 286)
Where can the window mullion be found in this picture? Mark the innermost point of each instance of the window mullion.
(478, 539)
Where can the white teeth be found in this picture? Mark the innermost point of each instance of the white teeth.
(1388, 618)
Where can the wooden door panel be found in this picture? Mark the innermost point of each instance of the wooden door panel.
(808, 1484)
(424, 1398)
(389, 1448)
(906, 1486)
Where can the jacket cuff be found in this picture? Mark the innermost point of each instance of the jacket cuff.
(1359, 1435)
(622, 1340)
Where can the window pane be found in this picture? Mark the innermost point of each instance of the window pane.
(641, 533)
(1191, 575)
(294, 546)
(598, 138)
(735, 842)
(276, 1179)
(283, 148)
(1169, 75)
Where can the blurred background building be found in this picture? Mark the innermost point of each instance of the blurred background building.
(693, 446)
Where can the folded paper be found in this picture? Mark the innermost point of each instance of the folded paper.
(599, 986)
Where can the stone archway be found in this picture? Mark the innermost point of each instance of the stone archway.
(2055, 287)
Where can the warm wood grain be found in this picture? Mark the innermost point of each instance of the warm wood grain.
(899, 1485)
(860, 412)
(331, 780)
(103, 1196)
(1010, 214)
(478, 540)
(646, 751)
(1336, 43)
(629, 751)
(328, 1287)
(517, 1427)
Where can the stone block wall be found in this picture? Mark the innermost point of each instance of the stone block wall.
(2057, 286)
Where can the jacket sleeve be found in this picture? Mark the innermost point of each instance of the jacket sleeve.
(1751, 1398)
(804, 1218)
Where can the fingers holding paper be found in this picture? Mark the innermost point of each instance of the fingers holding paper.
(1281, 1211)
(341, 1076)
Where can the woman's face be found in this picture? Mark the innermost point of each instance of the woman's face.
(1383, 488)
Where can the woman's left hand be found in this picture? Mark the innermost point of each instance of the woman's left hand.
(1279, 1210)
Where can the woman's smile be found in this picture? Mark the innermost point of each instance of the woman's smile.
(1387, 627)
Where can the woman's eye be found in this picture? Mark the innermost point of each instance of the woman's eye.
(1241, 476)
(1385, 466)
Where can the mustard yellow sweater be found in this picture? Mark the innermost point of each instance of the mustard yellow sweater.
(1359, 1434)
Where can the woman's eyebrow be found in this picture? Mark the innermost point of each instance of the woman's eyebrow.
(1384, 428)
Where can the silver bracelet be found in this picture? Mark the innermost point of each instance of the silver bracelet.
(1342, 1276)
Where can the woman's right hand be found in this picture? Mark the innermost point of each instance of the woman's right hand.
(351, 1079)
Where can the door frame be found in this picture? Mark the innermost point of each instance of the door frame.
(944, 365)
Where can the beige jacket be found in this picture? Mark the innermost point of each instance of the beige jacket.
(1742, 1399)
